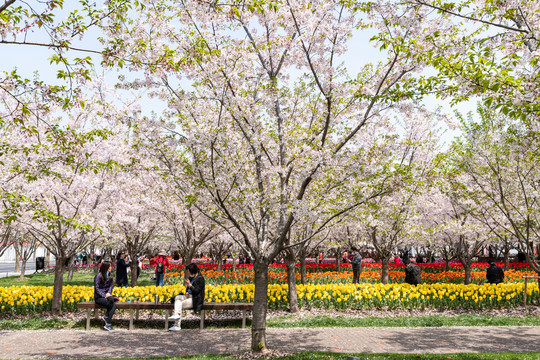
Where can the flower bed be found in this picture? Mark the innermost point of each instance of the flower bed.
(26, 299)
(278, 275)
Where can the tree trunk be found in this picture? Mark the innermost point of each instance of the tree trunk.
(71, 268)
(506, 261)
(186, 260)
(338, 262)
(506, 256)
(446, 264)
(234, 262)
(260, 307)
(467, 268)
(58, 283)
(23, 268)
(219, 262)
(385, 270)
(303, 272)
(47, 259)
(133, 267)
(290, 261)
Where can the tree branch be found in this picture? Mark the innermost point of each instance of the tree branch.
(6, 4)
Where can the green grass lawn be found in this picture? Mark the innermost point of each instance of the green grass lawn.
(402, 321)
(79, 279)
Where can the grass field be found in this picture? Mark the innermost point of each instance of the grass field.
(79, 279)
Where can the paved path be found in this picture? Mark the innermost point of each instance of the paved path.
(79, 344)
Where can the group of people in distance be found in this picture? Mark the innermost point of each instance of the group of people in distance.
(413, 273)
(123, 262)
(193, 298)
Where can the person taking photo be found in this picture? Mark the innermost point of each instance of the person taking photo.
(192, 299)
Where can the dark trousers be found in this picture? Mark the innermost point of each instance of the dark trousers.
(110, 305)
(356, 275)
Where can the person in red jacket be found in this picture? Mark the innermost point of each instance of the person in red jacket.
(161, 265)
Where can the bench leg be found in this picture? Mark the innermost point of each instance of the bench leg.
(95, 313)
(201, 326)
(137, 315)
(243, 319)
(87, 319)
(167, 315)
(130, 319)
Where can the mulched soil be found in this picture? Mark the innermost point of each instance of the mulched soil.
(226, 316)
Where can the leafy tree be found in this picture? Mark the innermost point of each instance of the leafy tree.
(270, 124)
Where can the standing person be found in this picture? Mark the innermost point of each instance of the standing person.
(413, 273)
(161, 265)
(320, 257)
(103, 287)
(140, 259)
(192, 299)
(122, 264)
(494, 273)
(345, 257)
(356, 265)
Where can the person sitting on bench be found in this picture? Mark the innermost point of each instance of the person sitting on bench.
(103, 288)
(192, 299)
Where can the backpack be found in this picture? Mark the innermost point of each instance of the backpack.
(160, 268)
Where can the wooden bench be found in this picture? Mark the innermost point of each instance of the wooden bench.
(136, 306)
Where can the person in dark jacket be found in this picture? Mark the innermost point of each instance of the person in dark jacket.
(103, 288)
(413, 273)
(494, 273)
(356, 263)
(122, 264)
(192, 299)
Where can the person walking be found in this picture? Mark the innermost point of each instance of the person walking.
(122, 264)
(103, 288)
(192, 299)
(356, 265)
(161, 266)
(494, 273)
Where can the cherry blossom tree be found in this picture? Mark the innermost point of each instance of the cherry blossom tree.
(25, 246)
(134, 216)
(219, 247)
(58, 187)
(191, 230)
(390, 219)
(268, 122)
(500, 159)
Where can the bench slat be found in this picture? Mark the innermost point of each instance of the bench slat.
(167, 306)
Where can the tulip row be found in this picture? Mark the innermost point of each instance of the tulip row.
(246, 276)
(27, 299)
(325, 267)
